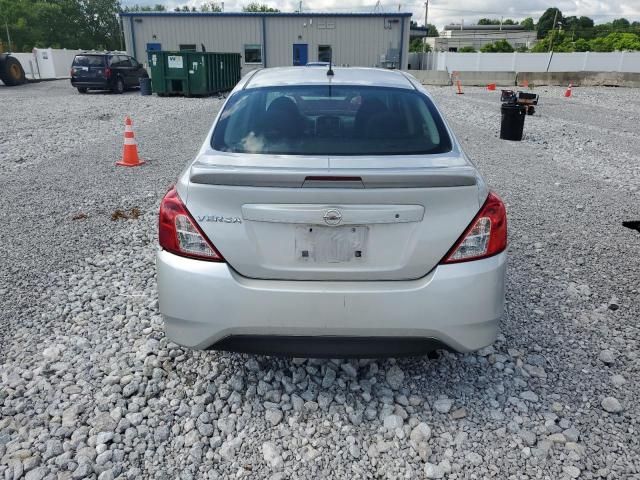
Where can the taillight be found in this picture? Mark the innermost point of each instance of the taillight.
(107, 72)
(485, 236)
(178, 232)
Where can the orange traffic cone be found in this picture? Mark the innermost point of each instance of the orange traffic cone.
(491, 86)
(567, 93)
(130, 150)
(459, 92)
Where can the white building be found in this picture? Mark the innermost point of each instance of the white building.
(457, 36)
(275, 39)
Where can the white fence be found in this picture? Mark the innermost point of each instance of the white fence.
(527, 62)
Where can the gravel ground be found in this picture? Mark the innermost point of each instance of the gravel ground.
(90, 387)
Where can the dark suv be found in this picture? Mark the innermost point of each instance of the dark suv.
(106, 71)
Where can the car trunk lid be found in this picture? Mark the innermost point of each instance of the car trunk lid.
(331, 219)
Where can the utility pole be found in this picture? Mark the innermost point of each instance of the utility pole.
(555, 19)
(6, 25)
(426, 35)
(300, 7)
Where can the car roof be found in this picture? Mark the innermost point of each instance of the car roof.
(375, 77)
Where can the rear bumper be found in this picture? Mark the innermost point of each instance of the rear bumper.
(208, 305)
(97, 84)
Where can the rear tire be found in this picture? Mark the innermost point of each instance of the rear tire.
(531, 111)
(82, 89)
(118, 87)
(11, 72)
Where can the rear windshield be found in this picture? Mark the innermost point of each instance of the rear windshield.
(89, 61)
(330, 120)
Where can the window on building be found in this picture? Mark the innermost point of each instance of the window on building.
(324, 53)
(253, 54)
(190, 47)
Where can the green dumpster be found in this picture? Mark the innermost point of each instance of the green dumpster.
(193, 73)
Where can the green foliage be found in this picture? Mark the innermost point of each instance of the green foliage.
(500, 46)
(158, 7)
(89, 24)
(211, 7)
(258, 7)
(417, 45)
(488, 21)
(566, 42)
(496, 21)
(432, 31)
(545, 23)
(528, 24)
(467, 50)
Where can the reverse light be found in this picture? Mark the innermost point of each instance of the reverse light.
(485, 236)
(178, 232)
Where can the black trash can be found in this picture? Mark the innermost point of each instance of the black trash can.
(512, 121)
(145, 86)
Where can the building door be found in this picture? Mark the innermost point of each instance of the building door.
(300, 54)
(152, 47)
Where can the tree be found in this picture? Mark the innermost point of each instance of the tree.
(158, 7)
(211, 7)
(417, 45)
(585, 22)
(545, 23)
(581, 45)
(500, 46)
(620, 24)
(496, 21)
(488, 21)
(259, 7)
(528, 24)
(467, 50)
(432, 31)
(70, 24)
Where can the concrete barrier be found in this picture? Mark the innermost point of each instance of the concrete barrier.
(482, 79)
(581, 79)
(431, 77)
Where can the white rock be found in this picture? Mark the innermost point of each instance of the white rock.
(529, 396)
(611, 405)
(433, 471)
(391, 422)
(573, 472)
(420, 433)
(607, 357)
(273, 416)
(52, 353)
(618, 380)
(474, 458)
(443, 405)
(309, 453)
(272, 456)
(395, 377)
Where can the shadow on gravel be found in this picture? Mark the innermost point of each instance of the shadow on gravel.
(633, 225)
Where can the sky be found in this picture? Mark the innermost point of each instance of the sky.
(442, 12)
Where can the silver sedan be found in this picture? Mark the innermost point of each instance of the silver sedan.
(331, 213)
